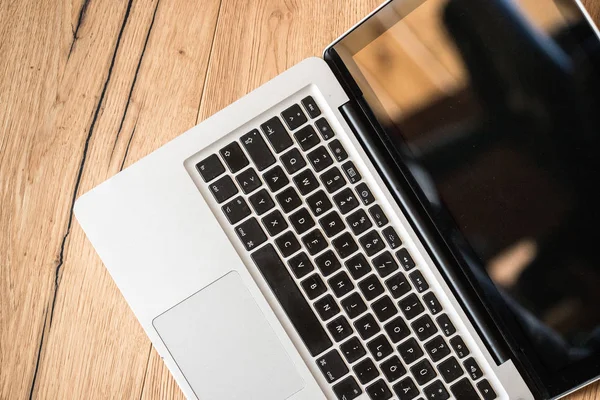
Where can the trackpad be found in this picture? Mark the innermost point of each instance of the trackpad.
(225, 347)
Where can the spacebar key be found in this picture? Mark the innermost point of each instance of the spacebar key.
(291, 300)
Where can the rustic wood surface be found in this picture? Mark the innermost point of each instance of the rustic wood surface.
(86, 88)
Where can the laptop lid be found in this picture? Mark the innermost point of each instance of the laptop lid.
(489, 109)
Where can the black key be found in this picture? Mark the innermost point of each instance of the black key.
(398, 285)
(276, 179)
(378, 216)
(319, 203)
(276, 134)
(293, 161)
(380, 348)
(379, 391)
(319, 158)
(364, 193)
(354, 305)
(339, 328)
(210, 168)
(423, 371)
(365, 371)
(419, 281)
(352, 349)
(437, 348)
(372, 243)
(314, 286)
(287, 244)
(332, 366)
(359, 222)
(261, 201)
(424, 327)
(472, 368)
(351, 172)
(358, 266)
(411, 306)
(446, 325)
(234, 157)
(405, 259)
(328, 263)
(406, 389)
(311, 107)
(301, 221)
(385, 264)
(486, 390)
(450, 370)
(384, 308)
(292, 301)
(333, 180)
(345, 200)
(347, 389)
(459, 346)
(306, 182)
(370, 287)
(366, 326)
(326, 307)
(301, 265)
(324, 128)
(341, 284)
(258, 150)
(251, 234)
(338, 150)
(436, 391)
(314, 242)
(223, 189)
(248, 180)
(288, 199)
(432, 303)
(332, 224)
(307, 138)
(293, 117)
(397, 329)
(464, 390)
(392, 368)
(410, 351)
(392, 237)
(275, 223)
(345, 245)
(236, 210)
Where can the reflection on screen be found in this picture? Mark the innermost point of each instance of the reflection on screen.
(503, 124)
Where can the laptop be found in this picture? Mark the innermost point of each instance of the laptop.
(414, 216)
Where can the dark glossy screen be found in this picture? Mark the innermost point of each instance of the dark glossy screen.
(496, 104)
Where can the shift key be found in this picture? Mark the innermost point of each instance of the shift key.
(258, 150)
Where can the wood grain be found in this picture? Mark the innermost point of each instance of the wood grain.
(88, 87)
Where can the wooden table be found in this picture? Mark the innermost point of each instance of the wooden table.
(86, 88)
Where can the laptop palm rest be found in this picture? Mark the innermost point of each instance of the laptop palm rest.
(225, 347)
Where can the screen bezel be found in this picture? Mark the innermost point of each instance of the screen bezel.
(340, 56)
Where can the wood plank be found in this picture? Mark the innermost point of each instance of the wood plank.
(160, 65)
(44, 93)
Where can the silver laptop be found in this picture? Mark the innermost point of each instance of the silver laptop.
(415, 216)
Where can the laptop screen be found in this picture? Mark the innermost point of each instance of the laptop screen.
(495, 105)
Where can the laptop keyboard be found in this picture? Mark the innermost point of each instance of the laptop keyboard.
(337, 266)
